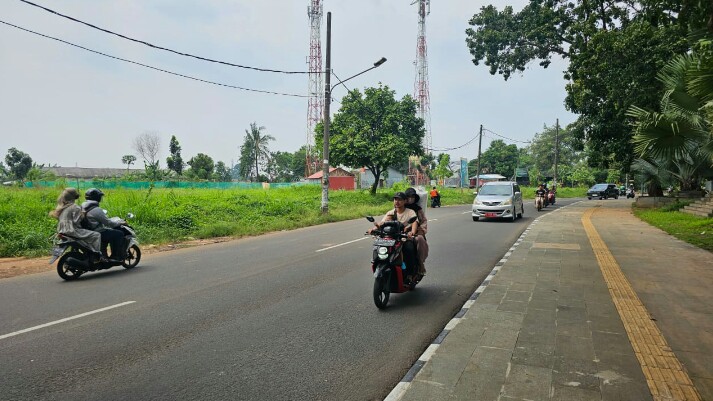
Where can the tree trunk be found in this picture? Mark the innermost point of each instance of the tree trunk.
(376, 174)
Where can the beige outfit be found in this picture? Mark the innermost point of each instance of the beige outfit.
(69, 225)
(403, 217)
(421, 244)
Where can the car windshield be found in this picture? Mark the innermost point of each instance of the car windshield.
(499, 190)
(599, 187)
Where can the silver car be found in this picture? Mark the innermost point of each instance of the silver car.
(499, 199)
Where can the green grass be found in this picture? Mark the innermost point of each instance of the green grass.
(695, 230)
(172, 215)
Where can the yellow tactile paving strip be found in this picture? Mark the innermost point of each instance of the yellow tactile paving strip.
(664, 374)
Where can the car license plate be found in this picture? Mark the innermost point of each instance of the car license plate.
(384, 242)
(491, 214)
(56, 252)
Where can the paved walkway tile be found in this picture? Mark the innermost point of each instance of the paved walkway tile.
(588, 306)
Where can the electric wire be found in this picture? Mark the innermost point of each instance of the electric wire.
(164, 48)
(504, 137)
(154, 68)
(455, 148)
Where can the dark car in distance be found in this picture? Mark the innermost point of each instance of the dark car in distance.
(603, 191)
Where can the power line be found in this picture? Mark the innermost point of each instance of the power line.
(153, 68)
(504, 137)
(457, 147)
(159, 47)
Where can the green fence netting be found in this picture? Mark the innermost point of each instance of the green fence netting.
(116, 184)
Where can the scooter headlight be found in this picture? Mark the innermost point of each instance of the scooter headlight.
(382, 252)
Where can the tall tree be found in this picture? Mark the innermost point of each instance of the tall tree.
(202, 166)
(280, 167)
(18, 162)
(299, 162)
(613, 49)
(222, 172)
(375, 131)
(443, 167)
(499, 158)
(175, 161)
(128, 160)
(255, 149)
(147, 145)
(542, 149)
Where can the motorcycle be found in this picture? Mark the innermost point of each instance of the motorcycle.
(630, 193)
(435, 201)
(539, 202)
(388, 263)
(76, 259)
(551, 197)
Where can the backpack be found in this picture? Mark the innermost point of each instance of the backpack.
(85, 223)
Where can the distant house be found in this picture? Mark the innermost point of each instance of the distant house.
(90, 172)
(366, 178)
(485, 178)
(338, 178)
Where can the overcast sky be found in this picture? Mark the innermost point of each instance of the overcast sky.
(69, 107)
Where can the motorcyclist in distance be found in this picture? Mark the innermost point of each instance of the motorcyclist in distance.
(98, 221)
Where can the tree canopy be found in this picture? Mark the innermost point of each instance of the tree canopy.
(175, 161)
(18, 162)
(202, 166)
(254, 151)
(614, 50)
(375, 131)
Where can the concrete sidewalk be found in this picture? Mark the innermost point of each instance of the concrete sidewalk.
(589, 304)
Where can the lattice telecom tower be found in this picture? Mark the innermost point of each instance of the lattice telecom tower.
(315, 105)
(421, 93)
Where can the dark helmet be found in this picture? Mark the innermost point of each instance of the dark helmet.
(93, 194)
(412, 193)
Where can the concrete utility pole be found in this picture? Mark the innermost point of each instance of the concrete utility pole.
(557, 133)
(477, 171)
(327, 101)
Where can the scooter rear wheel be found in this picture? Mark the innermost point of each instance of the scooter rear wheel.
(382, 291)
(66, 271)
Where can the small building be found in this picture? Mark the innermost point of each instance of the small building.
(366, 178)
(338, 179)
(485, 178)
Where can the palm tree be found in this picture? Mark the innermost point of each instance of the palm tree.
(257, 145)
(678, 138)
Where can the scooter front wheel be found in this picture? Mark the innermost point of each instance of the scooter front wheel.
(133, 256)
(382, 291)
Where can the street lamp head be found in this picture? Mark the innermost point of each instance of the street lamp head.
(380, 62)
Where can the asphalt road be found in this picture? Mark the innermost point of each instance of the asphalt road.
(284, 316)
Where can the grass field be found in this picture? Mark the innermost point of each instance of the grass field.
(171, 215)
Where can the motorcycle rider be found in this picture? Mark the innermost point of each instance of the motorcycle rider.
(98, 221)
(402, 214)
(412, 199)
(436, 196)
(541, 191)
(69, 216)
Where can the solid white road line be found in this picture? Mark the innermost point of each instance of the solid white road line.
(338, 245)
(4, 336)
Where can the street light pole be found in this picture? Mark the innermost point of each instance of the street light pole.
(327, 101)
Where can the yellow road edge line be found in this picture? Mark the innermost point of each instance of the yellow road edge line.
(665, 376)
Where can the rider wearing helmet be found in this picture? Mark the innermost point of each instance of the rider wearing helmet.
(97, 220)
(412, 199)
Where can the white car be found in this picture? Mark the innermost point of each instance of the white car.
(498, 199)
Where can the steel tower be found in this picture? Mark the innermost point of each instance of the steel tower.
(315, 104)
(421, 93)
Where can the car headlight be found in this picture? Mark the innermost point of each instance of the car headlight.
(383, 252)
(477, 202)
(507, 202)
